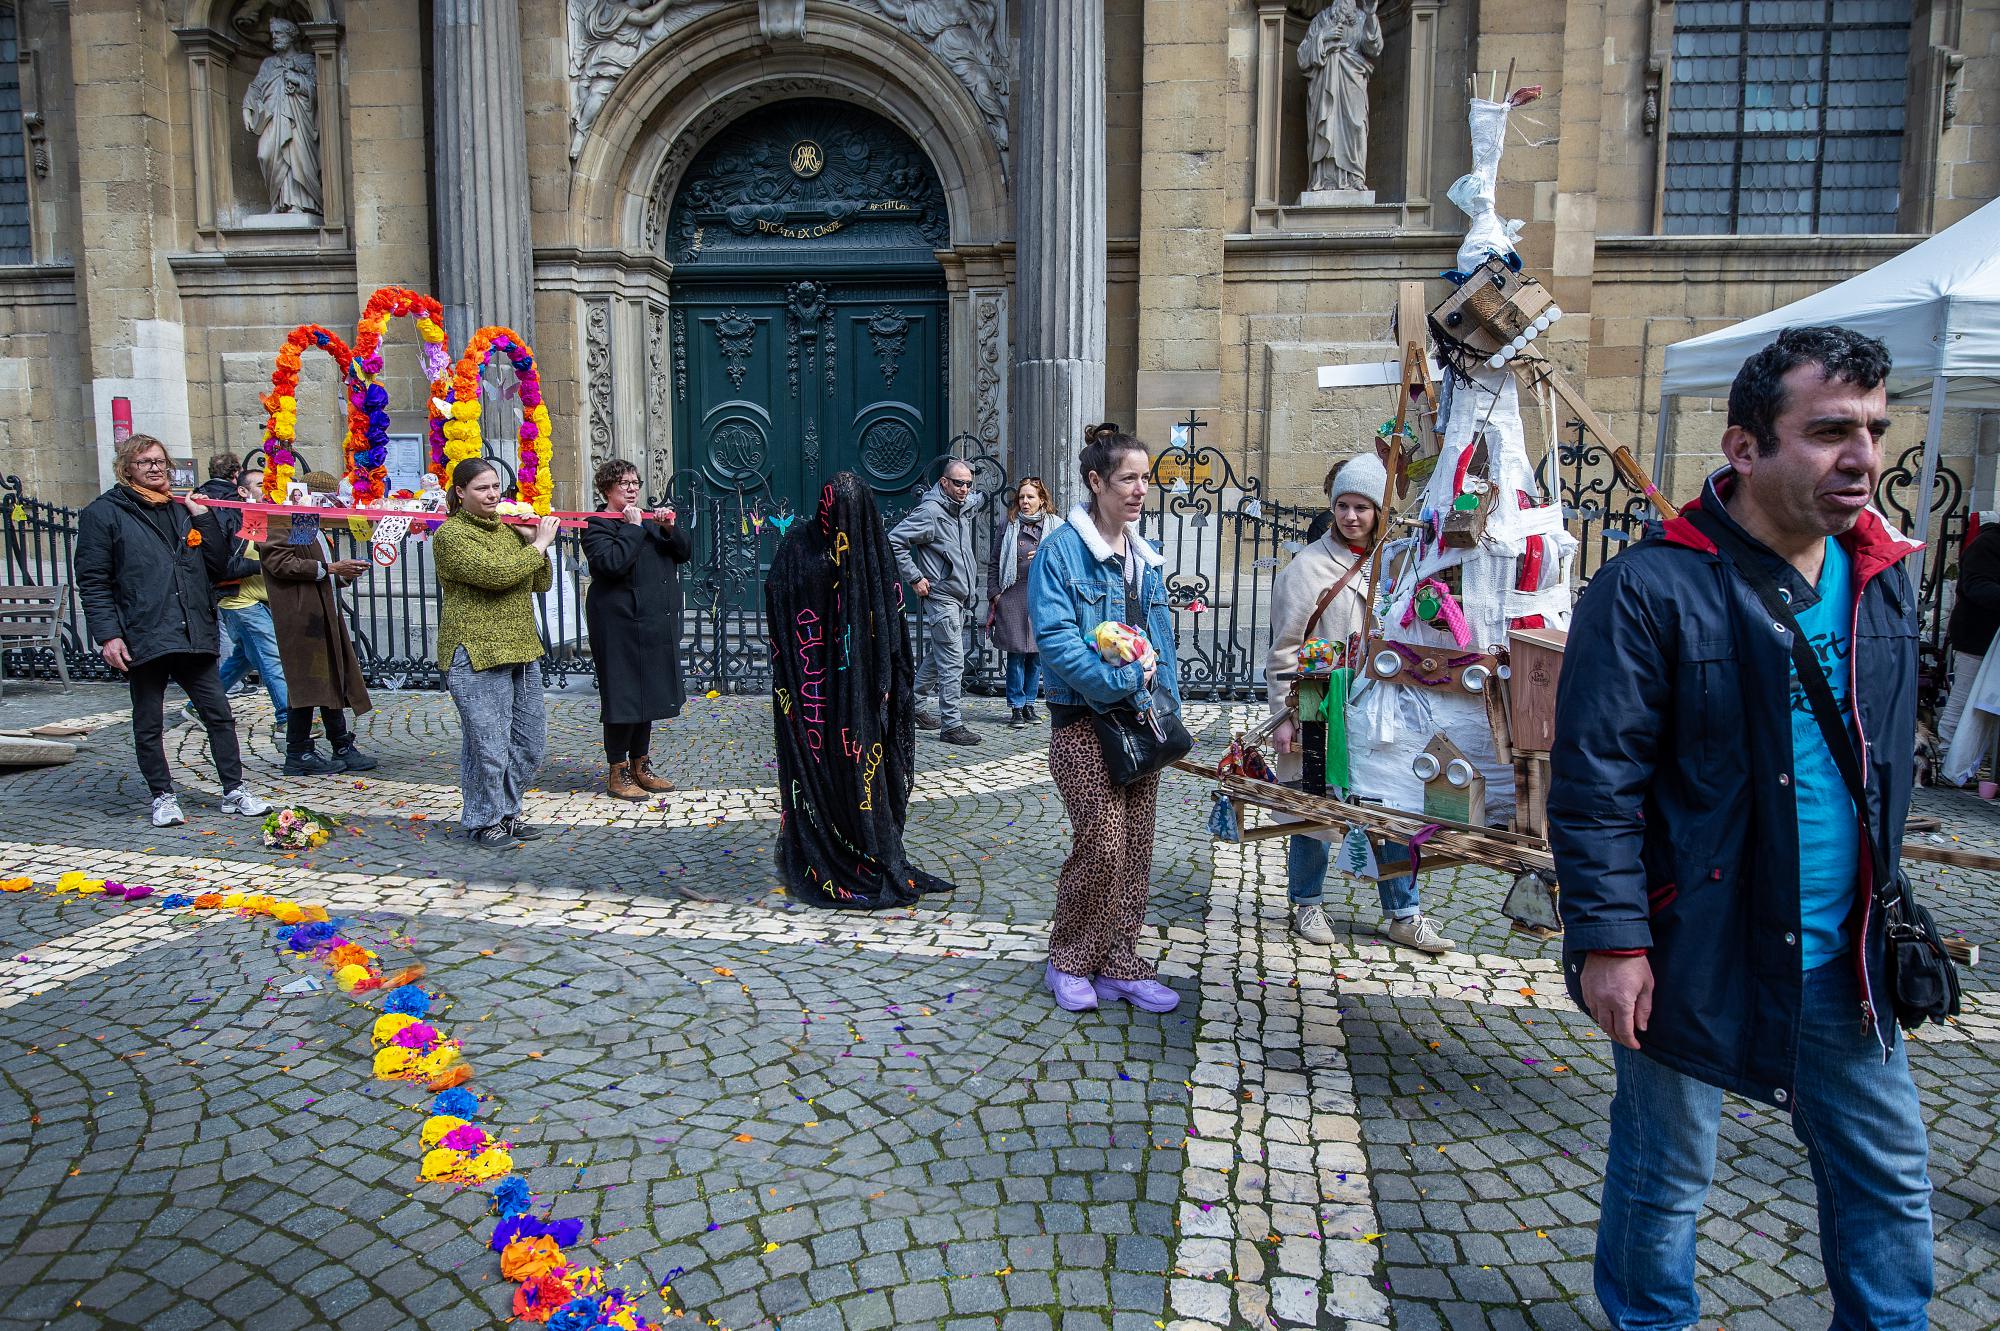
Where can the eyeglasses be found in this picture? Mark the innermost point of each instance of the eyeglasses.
(150, 464)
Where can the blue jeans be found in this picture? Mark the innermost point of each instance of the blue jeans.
(253, 645)
(1857, 1117)
(1305, 876)
(1024, 677)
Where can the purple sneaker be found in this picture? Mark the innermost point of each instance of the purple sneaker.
(1073, 992)
(1150, 995)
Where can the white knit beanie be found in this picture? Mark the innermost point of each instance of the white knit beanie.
(1362, 475)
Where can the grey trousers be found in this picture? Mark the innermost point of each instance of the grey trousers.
(942, 671)
(504, 730)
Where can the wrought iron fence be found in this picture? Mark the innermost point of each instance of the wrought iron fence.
(1223, 542)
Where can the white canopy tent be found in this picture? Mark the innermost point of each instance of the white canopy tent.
(1936, 306)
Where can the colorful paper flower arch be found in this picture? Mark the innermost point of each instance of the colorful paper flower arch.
(368, 419)
(462, 437)
(281, 404)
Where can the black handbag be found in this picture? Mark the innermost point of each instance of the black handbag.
(1138, 743)
(1922, 981)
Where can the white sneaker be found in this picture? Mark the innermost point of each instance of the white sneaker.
(1309, 923)
(167, 811)
(1417, 932)
(242, 801)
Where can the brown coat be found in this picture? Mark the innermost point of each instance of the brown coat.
(321, 669)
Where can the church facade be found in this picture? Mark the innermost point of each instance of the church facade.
(755, 242)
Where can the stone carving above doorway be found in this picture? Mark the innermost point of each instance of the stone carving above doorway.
(609, 37)
(744, 198)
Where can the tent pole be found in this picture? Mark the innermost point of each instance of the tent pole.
(1932, 434)
(1660, 438)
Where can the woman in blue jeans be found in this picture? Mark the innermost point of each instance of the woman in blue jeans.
(1322, 595)
(1029, 523)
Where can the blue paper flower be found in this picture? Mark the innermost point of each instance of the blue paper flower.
(511, 1194)
(177, 901)
(457, 1102)
(412, 1001)
(377, 396)
(579, 1314)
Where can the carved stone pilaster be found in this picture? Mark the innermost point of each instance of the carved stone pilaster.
(989, 368)
(1060, 229)
(597, 378)
(659, 414)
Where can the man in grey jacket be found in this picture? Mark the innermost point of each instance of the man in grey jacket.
(933, 546)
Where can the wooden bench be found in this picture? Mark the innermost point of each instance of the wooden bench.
(32, 616)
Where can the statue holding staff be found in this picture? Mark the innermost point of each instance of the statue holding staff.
(1338, 56)
(281, 110)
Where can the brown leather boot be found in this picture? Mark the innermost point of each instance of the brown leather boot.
(642, 772)
(621, 786)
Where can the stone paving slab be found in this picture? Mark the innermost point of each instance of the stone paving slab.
(1347, 1138)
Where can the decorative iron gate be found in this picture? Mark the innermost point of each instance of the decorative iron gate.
(1223, 543)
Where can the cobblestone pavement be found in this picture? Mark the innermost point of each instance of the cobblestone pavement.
(772, 1116)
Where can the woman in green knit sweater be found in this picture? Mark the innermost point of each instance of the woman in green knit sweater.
(490, 651)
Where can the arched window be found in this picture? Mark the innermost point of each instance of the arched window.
(16, 239)
(1786, 116)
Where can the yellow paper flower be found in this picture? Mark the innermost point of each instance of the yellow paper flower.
(347, 977)
(313, 914)
(393, 1063)
(232, 900)
(388, 1024)
(438, 1059)
(285, 912)
(436, 1126)
(489, 1164)
(443, 1165)
(16, 884)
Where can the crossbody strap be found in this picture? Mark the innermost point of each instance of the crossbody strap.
(1812, 678)
(1326, 599)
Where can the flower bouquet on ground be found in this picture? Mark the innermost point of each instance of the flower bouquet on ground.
(298, 828)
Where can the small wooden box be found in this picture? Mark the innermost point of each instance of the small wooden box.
(1535, 658)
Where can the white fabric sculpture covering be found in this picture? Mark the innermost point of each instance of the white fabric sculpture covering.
(1389, 723)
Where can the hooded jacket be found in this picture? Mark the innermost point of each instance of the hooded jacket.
(1074, 585)
(934, 541)
(1671, 804)
(138, 584)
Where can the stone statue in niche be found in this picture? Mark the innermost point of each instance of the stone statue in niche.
(281, 109)
(1338, 55)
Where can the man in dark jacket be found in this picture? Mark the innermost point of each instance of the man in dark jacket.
(1718, 922)
(144, 563)
(933, 546)
(1975, 616)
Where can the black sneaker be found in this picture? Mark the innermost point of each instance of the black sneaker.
(352, 759)
(1020, 720)
(1029, 712)
(521, 831)
(493, 837)
(960, 735)
(310, 763)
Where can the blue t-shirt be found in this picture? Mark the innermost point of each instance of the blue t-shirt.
(1829, 838)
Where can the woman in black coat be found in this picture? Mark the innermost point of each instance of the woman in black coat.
(634, 616)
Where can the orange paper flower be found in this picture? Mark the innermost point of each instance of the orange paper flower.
(530, 1259)
(208, 901)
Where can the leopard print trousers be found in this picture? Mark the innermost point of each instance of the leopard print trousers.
(1101, 896)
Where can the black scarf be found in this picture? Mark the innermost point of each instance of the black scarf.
(842, 704)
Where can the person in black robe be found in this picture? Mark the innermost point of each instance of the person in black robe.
(843, 708)
(633, 613)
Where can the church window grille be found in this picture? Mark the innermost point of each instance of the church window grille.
(1786, 116)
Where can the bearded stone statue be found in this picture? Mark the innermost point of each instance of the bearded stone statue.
(281, 109)
(1338, 55)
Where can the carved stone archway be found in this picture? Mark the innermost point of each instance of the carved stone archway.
(676, 95)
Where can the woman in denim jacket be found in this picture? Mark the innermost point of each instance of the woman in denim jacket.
(1094, 568)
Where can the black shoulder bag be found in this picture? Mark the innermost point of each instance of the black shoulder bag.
(1138, 743)
(1923, 983)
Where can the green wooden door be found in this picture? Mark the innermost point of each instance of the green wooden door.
(789, 382)
(808, 308)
